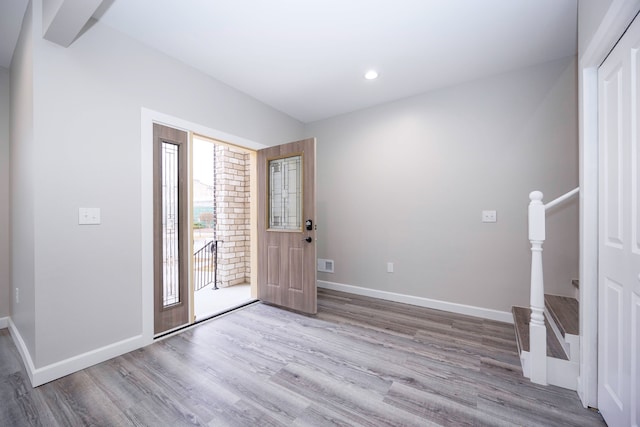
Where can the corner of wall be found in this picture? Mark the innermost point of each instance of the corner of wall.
(21, 189)
(23, 350)
(5, 279)
(45, 374)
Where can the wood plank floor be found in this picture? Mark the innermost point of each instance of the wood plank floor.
(360, 361)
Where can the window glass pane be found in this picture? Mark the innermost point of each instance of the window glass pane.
(170, 229)
(285, 193)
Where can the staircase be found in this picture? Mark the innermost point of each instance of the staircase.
(547, 331)
(563, 341)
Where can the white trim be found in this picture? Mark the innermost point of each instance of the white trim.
(39, 376)
(23, 350)
(4, 322)
(147, 118)
(615, 22)
(562, 373)
(469, 310)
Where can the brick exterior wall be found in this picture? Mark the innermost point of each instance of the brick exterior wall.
(233, 217)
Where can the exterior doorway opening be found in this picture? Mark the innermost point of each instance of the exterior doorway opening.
(209, 205)
(222, 265)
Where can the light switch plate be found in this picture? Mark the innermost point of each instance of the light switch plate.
(489, 216)
(88, 216)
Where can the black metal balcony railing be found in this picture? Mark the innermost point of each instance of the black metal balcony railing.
(205, 265)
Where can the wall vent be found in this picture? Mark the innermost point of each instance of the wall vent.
(325, 265)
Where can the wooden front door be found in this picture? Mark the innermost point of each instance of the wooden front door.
(619, 233)
(171, 229)
(286, 226)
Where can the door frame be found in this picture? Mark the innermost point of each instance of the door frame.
(616, 20)
(147, 118)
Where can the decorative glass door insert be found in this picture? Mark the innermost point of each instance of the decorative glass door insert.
(285, 193)
(170, 230)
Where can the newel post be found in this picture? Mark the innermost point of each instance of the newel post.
(537, 329)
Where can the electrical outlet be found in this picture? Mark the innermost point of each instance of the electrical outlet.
(17, 296)
(489, 216)
(389, 267)
(89, 216)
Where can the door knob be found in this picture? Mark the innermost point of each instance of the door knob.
(308, 240)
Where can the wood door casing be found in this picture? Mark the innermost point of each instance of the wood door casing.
(286, 262)
(170, 317)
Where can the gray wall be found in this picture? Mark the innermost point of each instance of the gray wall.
(4, 193)
(590, 14)
(406, 183)
(23, 188)
(87, 100)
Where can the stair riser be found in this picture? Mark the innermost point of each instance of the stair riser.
(573, 342)
(561, 373)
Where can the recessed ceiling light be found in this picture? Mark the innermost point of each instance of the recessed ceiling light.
(371, 75)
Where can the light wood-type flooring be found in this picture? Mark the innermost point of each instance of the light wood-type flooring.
(360, 361)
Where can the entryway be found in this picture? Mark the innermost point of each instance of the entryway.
(265, 238)
(221, 226)
(204, 222)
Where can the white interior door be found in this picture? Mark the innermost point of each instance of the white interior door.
(619, 233)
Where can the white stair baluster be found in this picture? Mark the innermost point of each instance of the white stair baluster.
(537, 329)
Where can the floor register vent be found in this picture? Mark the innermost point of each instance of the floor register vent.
(325, 265)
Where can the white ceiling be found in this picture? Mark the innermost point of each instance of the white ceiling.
(307, 57)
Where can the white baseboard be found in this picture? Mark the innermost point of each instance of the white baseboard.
(469, 310)
(562, 373)
(45, 374)
(23, 350)
(4, 322)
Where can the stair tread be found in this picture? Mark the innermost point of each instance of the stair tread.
(565, 313)
(521, 317)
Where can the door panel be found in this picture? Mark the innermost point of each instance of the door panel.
(273, 266)
(296, 269)
(618, 254)
(171, 230)
(613, 350)
(286, 199)
(612, 158)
